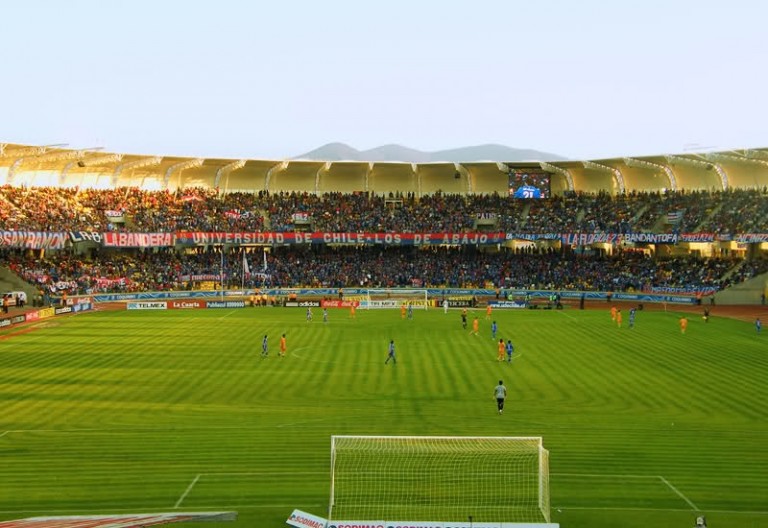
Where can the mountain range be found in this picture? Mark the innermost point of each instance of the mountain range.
(490, 152)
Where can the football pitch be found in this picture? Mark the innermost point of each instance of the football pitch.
(136, 412)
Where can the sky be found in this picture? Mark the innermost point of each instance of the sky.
(585, 79)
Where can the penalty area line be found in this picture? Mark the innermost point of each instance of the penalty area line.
(679, 493)
(186, 491)
(4, 433)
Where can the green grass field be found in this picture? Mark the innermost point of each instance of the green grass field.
(126, 412)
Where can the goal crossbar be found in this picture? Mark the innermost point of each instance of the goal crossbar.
(439, 478)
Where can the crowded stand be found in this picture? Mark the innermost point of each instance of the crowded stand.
(198, 209)
(564, 267)
(378, 267)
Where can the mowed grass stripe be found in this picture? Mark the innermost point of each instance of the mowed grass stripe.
(173, 395)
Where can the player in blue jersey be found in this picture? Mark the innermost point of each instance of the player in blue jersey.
(494, 329)
(632, 312)
(758, 325)
(510, 349)
(527, 191)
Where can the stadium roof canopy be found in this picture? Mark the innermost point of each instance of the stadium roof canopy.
(55, 165)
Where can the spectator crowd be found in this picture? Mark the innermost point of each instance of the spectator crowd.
(198, 209)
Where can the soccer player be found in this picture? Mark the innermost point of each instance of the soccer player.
(527, 191)
(352, 310)
(632, 317)
(402, 311)
(488, 312)
(500, 392)
(445, 306)
(510, 348)
(264, 349)
(613, 313)
(464, 319)
(758, 325)
(502, 349)
(283, 346)
(683, 324)
(410, 310)
(618, 318)
(494, 329)
(475, 327)
(325, 315)
(309, 315)
(391, 352)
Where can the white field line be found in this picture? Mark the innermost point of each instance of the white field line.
(608, 475)
(4, 433)
(569, 316)
(150, 509)
(609, 508)
(186, 491)
(679, 493)
(238, 473)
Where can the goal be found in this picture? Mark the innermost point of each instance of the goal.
(395, 298)
(439, 478)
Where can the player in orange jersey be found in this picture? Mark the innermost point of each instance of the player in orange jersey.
(283, 346)
(488, 310)
(352, 310)
(613, 313)
(683, 324)
(475, 326)
(502, 350)
(402, 311)
(618, 318)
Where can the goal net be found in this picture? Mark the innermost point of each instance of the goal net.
(395, 298)
(429, 478)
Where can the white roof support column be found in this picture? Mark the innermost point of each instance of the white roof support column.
(180, 167)
(618, 177)
(558, 170)
(644, 164)
(277, 168)
(415, 172)
(132, 165)
(322, 170)
(226, 170)
(461, 169)
(368, 171)
(92, 162)
(707, 165)
(738, 159)
(30, 153)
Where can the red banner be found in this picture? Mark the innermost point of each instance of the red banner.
(339, 304)
(138, 239)
(190, 304)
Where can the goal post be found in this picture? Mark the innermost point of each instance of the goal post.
(439, 478)
(395, 298)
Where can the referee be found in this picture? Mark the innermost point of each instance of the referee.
(500, 392)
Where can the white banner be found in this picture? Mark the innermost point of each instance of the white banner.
(427, 524)
(377, 305)
(302, 519)
(154, 305)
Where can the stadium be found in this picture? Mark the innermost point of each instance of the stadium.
(143, 383)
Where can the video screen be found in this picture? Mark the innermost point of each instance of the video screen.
(529, 184)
